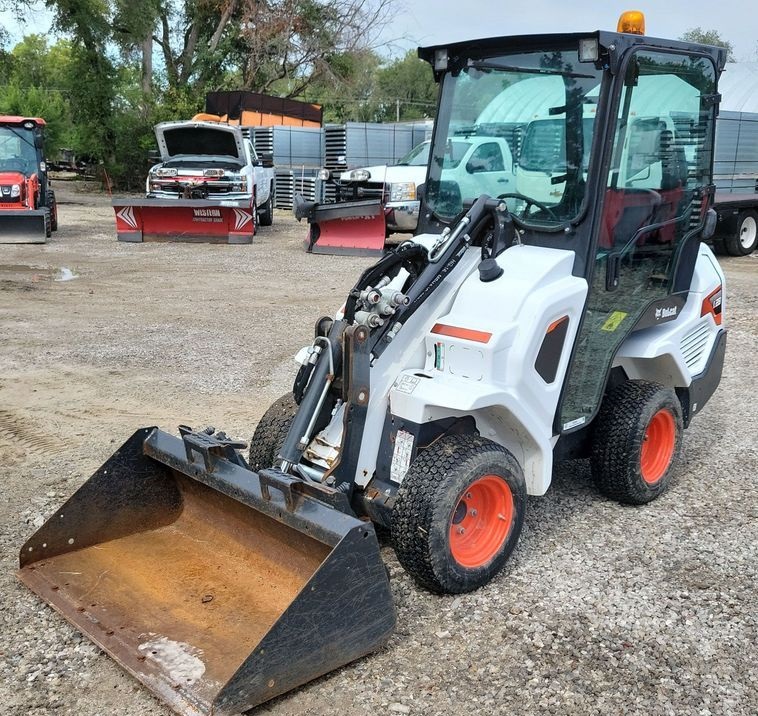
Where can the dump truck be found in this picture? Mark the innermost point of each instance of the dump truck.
(509, 332)
(210, 185)
(28, 212)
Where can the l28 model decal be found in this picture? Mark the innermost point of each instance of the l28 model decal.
(127, 216)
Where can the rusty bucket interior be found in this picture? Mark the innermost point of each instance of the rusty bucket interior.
(182, 586)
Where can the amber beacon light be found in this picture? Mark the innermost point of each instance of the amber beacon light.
(632, 21)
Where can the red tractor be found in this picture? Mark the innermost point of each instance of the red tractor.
(28, 213)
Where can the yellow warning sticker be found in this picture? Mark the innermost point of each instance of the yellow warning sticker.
(613, 321)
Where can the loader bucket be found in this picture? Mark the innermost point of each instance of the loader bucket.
(356, 228)
(216, 587)
(19, 226)
(192, 220)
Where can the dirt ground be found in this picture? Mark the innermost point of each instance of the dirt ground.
(604, 609)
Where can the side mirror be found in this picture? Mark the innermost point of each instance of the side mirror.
(709, 227)
(153, 157)
(267, 160)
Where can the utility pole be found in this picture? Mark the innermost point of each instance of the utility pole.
(397, 110)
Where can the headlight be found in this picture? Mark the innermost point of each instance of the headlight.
(359, 175)
(403, 191)
(16, 190)
(162, 173)
(324, 174)
(213, 173)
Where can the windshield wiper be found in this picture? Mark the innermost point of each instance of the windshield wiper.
(481, 65)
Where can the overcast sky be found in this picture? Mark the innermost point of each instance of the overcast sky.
(429, 23)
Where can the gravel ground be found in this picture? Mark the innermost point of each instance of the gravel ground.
(604, 609)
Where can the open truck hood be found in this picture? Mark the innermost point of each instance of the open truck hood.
(199, 138)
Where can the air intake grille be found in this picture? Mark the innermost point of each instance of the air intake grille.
(693, 345)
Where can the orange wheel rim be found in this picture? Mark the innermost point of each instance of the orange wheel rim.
(658, 446)
(481, 521)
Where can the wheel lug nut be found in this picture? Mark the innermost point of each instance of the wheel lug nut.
(461, 531)
(474, 513)
(468, 495)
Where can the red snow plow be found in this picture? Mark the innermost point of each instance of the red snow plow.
(230, 222)
(28, 213)
(357, 228)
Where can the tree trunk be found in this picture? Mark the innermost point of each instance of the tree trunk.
(147, 66)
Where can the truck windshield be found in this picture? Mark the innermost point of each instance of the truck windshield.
(530, 119)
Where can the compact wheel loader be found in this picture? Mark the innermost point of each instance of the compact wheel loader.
(573, 312)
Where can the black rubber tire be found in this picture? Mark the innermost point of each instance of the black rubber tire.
(52, 205)
(271, 431)
(427, 499)
(747, 221)
(48, 224)
(619, 433)
(267, 212)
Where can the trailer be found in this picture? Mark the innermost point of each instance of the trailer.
(736, 161)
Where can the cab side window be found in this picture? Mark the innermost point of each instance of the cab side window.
(486, 158)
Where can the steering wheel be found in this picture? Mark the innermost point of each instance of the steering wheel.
(531, 202)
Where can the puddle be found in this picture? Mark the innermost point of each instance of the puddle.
(66, 274)
(21, 273)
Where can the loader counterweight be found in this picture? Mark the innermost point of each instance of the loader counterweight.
(213, 596)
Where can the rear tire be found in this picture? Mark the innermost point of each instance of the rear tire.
(271, 431)
(267, 212)
(459, 513)
(48, 223)
(745, 240)
(637, 441)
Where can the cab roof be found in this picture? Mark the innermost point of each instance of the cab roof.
(13, 119)
(614, 43)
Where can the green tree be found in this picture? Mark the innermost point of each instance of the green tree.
(709, 37)
(407, 88)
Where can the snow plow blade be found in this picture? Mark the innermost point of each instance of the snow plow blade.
(193, 220)
(217, 587)
(23, 226)
(355, 228)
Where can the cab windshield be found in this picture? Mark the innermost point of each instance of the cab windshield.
(17, 150)
(528, 120)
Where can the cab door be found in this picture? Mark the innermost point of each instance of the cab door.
(657, 192)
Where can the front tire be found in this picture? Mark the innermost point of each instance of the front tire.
(745, 240)
(459, 513)
(53, 206)
(271, 431)
(267, 212)
(637, 442)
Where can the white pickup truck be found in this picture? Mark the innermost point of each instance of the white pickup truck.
(470, 163)
(213, 161)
